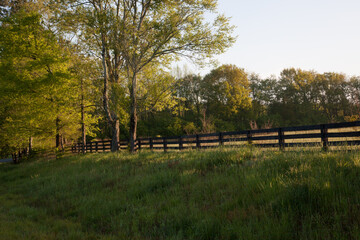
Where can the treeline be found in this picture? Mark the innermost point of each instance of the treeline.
(229, 99)
(78, 70)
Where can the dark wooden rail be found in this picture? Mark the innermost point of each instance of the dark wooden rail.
(20, 155)
(97, 146)
(324, 136)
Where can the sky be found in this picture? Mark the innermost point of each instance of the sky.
(319, 35)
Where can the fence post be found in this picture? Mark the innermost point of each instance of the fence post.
(139, 144)
(91, 147)
(165, 144)
(324, 136)
(151, 144)
(103, 142)
(281, 139)
(221, 139)
(197, 141)
(96, 146)
(249, 137)
(181, 145)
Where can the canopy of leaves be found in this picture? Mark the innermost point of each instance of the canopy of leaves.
(227, 90)
(37, 85)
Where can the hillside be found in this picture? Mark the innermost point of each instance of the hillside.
(219, 194)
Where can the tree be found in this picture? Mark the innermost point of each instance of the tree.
(163, 30)
(37, 87)
(333, 100)
(86, 78)
(189, 89)
(147, 31)
(226, 91)
(301, 97)
(263, 94)
(94, 26)
(25, 71)
(297, 97)
(155, 91)
(353, 94)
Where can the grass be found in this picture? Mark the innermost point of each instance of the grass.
(218, 194)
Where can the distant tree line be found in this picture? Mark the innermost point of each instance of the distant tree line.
(229, 99)
(76, 70)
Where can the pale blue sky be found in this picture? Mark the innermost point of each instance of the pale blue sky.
(320, 35)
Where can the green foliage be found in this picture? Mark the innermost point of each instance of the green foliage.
(34, 78)
(155, 90)
(228, 99)
(301, 97)
(216, 194)
(226, 89)
(133, 36)
(86, 87)
(215, 102)
(39, 82)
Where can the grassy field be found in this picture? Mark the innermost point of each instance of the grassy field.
(217, 194)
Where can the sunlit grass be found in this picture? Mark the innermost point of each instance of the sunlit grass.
(215, 194)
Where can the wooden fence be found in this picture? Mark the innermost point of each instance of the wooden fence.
(325, 136)
(97, 146)
(20, 155)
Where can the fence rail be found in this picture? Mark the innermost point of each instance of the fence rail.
(22, 154)
(323, 135)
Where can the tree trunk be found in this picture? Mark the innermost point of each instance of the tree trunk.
(113, 121)
(133, 114)
(30, 145)
(83, 129)
(115, 136)
(106, 87)
(58, 135)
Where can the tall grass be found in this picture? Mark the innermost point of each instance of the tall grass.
(218, 194)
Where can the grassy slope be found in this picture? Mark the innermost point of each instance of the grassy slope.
(222, 194)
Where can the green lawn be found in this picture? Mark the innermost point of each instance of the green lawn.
(215, 194)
